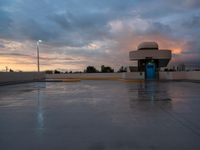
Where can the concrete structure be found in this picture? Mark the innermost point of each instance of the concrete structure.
(150, 58)
(19, 77)
(183, 75)
(85, 76)
(133, 75)
(174, 75)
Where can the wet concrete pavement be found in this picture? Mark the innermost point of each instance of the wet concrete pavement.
(100, 115)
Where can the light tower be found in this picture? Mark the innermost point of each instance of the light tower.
(38, 55)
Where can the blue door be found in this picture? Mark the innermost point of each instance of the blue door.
(150, 71)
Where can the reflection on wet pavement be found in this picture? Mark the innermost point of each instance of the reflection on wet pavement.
(100, 115)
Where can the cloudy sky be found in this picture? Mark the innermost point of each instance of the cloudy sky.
(77, 33)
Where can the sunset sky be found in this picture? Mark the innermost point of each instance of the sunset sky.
(78, 33)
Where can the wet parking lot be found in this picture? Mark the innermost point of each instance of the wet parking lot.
(100, 115)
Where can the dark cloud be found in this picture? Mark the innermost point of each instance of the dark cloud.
(14, 54)
(65, 20)
(193, 22)
(78, 23)
(2, 46)
(159, 28)
(34, 57)
(5, 23)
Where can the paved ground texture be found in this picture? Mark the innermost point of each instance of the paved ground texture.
(100, 115)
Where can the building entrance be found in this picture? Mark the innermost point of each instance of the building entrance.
(150, 71)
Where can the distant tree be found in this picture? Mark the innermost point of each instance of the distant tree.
(66, 72)
(77, 72)
(172, 70)
(56, 72)
(11, 70)
(166, 69)
(6, 68)
(91, 69)
(49, 72)
(106, 69)
(122, 69)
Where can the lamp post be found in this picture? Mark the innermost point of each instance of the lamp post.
(38, 55)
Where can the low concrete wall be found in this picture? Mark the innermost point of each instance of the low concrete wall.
(133, 75)
(19, 77)
(194, 75)
(184, 75)
(172, 75)
(86, 76)
(191, 75)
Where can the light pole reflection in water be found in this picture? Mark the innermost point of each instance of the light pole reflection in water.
(153, 91)
(40, 109)
(149, 94)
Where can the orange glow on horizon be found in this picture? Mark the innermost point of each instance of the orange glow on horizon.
(176, 50)
(131, 43)
(27, 64)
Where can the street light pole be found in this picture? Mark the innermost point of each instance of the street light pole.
(38, 55)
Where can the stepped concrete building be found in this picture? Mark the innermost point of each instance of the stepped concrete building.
(150, 58)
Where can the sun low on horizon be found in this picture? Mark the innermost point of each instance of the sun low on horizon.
(79, 33)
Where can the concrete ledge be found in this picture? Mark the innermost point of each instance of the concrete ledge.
(132, 80)
(62, 80)
(7, 78)
(133, 75)
(86, 76)
(183, 75)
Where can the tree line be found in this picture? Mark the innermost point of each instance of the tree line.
(90, 69)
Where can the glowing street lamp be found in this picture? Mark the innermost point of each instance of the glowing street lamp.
(38, 55)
